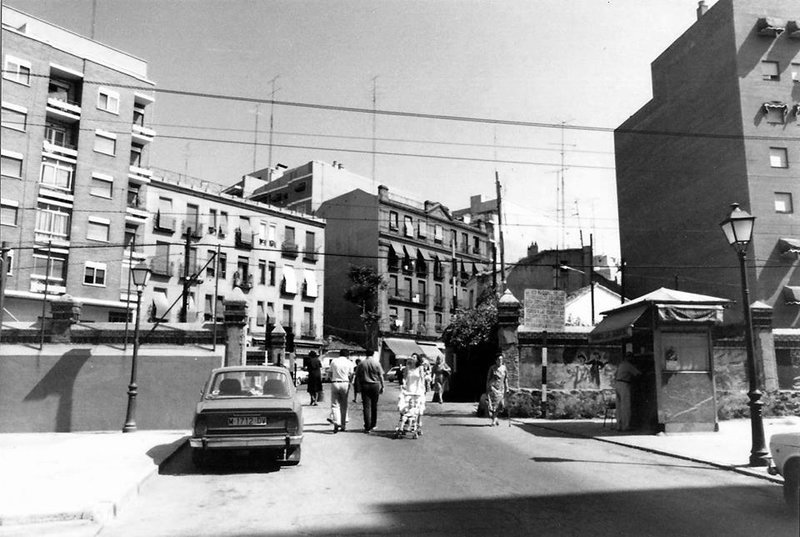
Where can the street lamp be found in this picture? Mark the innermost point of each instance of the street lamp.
(738, 229)
(139, 274)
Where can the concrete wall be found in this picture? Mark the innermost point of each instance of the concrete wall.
(84, 387)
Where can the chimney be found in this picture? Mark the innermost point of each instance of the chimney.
(701, 9)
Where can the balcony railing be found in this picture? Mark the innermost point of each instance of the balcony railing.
(476, 249)
(422, 329)
(244, 282)
(244, 239)
(438, 302)
(135, 200)
(393, 265)
(308, 330)
(197, 228)
(438, 327)
(289, 249)
(310, 254)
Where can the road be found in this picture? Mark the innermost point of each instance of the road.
(462, 478)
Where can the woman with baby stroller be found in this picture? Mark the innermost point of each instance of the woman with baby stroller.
(412, 398)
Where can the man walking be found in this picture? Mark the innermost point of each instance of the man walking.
(369, 376)
(341, 375)
(626, 373)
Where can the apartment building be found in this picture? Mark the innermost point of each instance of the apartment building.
(426, 257)
(74, 150)
(722, 127)
(212, 243)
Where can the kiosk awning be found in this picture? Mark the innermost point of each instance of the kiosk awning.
(402, 348)
(617, 325)
(791, 294)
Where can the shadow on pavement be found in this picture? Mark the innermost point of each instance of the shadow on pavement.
(223, 463)
(698, 466)
(161, 453)
(725, 510)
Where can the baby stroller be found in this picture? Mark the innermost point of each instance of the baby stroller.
(411, 407)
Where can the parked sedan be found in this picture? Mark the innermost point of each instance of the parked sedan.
(250, 408)
(393, 374)
(785, 449)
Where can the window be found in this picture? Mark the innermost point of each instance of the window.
(193, 219)
(423, 229)
(261, 316)
(212, 220)
(393, 221)
(8, 212)
(210, 268)
(52, 222)
(10, 266)
(272, 235)
(17, 70)
(453, 238)
(438, 233)
(58, 266)
(94, 274)
(409, 290)
(770, 71)
(796, 72)
(262, 272)
(422, 290)
(136, 155)
(102, 185)
(422, 320)
(288, 235)
(407, 319)
(272, 273)
(97, 229)
(138, 114)
(108, 100)
(55, 134)
(438, 320)
(408, 226)
(287, 318)
(393, 289)
(310, 242)
(14, 117)
(778, 157)
(56, 173)
(105, 142)
(223, 223)
(11, 164)
(223, 265)
(464, 242)
(476, 245)
(783, 202)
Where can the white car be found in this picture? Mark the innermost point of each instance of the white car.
(785, 449)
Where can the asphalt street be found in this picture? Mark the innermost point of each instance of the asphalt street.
(461, 478)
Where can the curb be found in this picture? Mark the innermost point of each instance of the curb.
(737, 469)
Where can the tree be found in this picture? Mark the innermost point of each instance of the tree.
(474, 327)
(363, 292)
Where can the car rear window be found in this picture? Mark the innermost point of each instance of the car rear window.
(249, 384)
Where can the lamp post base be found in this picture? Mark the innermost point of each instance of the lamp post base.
(759, 456)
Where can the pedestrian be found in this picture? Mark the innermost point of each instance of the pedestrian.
(314, 367)
(355, 384)
(341, 377)
(496, 388)
(626, 374)
(441, 374)
(369, 376)
(414, 385)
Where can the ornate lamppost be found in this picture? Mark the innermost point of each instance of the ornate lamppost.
(139, 274)
(738, 229)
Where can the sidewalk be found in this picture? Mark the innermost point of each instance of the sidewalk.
(729, 448)
(76, 478)
(72, 482)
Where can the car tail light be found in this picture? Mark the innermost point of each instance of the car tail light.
(200, 426)
(291, 424)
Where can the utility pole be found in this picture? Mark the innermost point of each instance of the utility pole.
(500, 229)
(374, 124)
(44, 298)
(216, 300)
(4, 261)
(591, 271)
(622, 280)
(186, 277)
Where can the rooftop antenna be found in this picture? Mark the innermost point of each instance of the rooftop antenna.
(271, 118)
(560, 203)
(374, 124)
(255, 138)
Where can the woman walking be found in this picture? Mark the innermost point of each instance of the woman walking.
(314, 368)
(441, 372)
(496, 388)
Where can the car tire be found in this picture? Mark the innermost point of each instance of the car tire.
(198, 458)
(791, 485)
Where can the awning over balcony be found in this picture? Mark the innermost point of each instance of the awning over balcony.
(410, 251)
(791, 294)
(789, 246)
(402, 348)
(289, 280)
(311, 282)
(160, 305)
(617, 325)
(431, 350)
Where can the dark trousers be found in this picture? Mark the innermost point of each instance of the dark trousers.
(369, 400)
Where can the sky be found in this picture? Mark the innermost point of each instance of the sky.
(542, 82)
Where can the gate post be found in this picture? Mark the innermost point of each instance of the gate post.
(65, 312)
(235, 328)
(277, 348)
(508, 310)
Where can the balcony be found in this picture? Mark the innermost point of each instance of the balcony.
(195, 226)
(308, 330)
(438, 303)
(141, 134)
(438, 327)
(161, 267)
(476, 250)
(165, 224)
(244, 239)
(60, 148)
(289, 249)
(194, 270)
(393, 264)
(310, 254)
(422, 329)
(135, 200)
(422, 270)
(139, 175)
(67, 111)
(243, 281)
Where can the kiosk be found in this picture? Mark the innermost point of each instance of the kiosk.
(669, 333)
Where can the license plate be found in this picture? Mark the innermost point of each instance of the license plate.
(244, 421)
